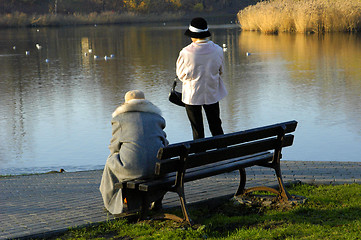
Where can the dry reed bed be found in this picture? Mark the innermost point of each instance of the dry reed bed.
(302, 16)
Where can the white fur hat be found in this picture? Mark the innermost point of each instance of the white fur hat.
(134, 94)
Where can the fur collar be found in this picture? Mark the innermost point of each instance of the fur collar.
(137, 105)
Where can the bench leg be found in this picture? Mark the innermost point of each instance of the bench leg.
(145, 212)
(281, 192)
(242, 182)
(186, 219)
(284, 195)
(183, 203)
(144, 209)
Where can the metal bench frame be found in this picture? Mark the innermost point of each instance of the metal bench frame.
(201, 158)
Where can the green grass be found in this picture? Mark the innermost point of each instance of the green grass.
(330, 212)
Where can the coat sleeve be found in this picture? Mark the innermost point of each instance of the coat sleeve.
(180, 67)
(164, 134)
(222, 65)
(115, 144)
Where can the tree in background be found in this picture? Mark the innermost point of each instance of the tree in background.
(98, 6)
(26, 6)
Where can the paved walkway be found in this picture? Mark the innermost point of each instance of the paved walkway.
(34, 205)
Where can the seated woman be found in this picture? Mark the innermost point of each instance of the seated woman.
(137, 130)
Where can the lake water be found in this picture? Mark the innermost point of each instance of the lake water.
(56, 113)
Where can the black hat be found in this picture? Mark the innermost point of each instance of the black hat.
(198, 28)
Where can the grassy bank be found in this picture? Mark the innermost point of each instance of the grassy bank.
(18, 19)
(302, 16)
(331, 212)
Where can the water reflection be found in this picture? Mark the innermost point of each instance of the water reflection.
(316, 80)
(57, 114)
(322, 72)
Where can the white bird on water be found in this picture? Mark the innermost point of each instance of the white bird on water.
(38, 46)
(27, 52)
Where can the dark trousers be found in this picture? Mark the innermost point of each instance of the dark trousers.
(194, 113)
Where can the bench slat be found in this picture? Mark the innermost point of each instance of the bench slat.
(208, 171)
(226, 139)
(120, 185)
(170, 165)
(235, 151)
(134, 184)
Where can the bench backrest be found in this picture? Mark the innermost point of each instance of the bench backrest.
(213, 149)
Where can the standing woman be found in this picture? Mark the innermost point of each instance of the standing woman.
(199, 67)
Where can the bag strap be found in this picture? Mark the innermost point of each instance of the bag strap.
(174, 85)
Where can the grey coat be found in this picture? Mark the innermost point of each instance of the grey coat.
(137, 135)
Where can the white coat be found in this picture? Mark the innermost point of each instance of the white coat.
(199, 67)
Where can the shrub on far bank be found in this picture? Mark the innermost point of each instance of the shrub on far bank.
(302, 16)
(18, 19)
(13, 19)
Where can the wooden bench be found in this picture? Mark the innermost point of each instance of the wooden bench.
(201, 158)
